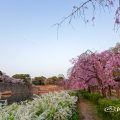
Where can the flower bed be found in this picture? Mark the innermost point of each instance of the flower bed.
(50, 106)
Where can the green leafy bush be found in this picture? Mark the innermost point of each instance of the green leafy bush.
(75, 114)
(39, 80)
(73, 92)
(94, 97)
(110, 109)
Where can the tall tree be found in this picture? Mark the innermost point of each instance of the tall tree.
(25, 77)
(39, 80)
(94, 69)
(52, 80)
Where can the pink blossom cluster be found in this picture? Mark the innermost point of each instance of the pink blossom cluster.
(94, 69)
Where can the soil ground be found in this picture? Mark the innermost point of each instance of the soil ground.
(88, 110)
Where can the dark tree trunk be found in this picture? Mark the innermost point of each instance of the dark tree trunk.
(89, 90)
(103, 92)
(109, 90)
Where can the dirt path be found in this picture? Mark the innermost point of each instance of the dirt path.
(88, 110)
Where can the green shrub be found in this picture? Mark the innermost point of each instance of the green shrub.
(73, 93)
(94, 97)
(103, 105)
(75, 113)
(112, 114)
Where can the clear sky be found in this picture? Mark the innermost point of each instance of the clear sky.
(28, 41)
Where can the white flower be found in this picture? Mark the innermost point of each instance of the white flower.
(50, 106)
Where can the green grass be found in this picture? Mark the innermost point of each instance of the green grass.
(101, 104)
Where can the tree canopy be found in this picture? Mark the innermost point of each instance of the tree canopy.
(25, 77)
(95, 69)
(39, 80)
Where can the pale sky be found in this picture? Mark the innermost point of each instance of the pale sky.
(28, 41)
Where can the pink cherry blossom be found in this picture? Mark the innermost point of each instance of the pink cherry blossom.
(94, 69)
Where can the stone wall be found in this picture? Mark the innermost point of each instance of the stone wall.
(19, 91)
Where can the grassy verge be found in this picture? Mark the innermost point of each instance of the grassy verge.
(107, 109)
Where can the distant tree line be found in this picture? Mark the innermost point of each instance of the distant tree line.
(40, 80)
(47, 81)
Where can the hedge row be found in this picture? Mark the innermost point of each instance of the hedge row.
(93, 97)
(108, 109)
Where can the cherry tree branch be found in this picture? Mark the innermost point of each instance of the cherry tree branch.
(80, 11)
(76, 9)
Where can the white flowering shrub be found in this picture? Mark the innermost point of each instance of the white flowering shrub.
(50, 106)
